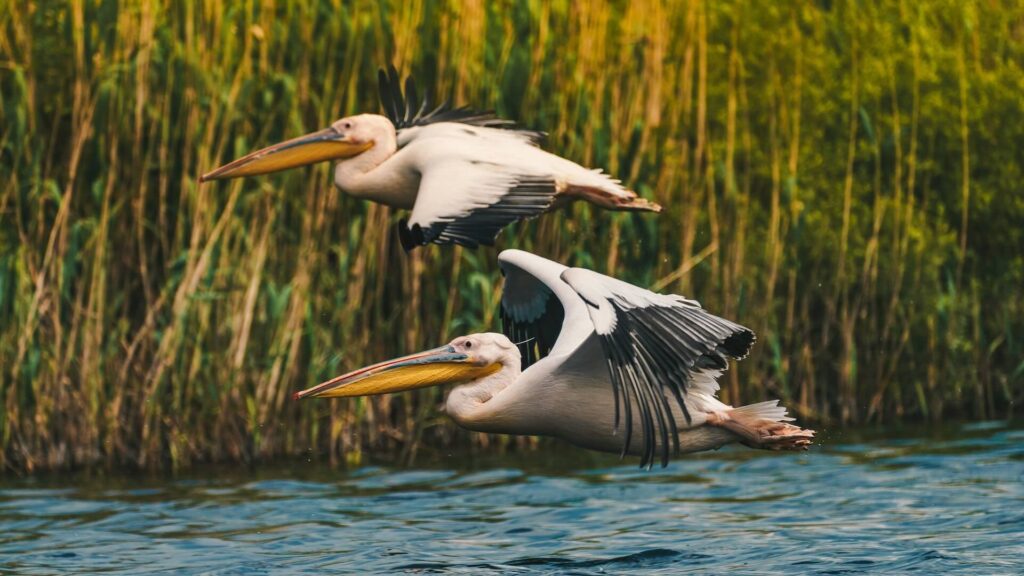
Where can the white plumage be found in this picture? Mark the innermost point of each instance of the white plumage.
(618, 354)
(600, 363)
(465, 175)
(465, 183)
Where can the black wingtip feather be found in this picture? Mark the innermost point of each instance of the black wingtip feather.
(739, 343)
(653, 351)
(525, 198)
(410, 238)
(410, 98)
(384, 91)
(537, 336)
(401, 107)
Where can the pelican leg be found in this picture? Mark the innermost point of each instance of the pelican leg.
(604, 199)
(758, 432)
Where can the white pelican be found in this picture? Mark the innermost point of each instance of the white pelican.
(599, 358)
(464, 174)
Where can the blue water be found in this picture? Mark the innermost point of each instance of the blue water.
(928, 502)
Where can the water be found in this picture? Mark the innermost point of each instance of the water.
(949, 502)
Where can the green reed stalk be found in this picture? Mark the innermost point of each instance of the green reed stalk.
(841, 177)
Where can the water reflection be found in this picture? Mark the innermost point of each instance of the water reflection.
(951, 501)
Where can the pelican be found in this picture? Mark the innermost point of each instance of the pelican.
(592, 360)
(464, 174)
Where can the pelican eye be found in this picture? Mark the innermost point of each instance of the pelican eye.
(469, 345)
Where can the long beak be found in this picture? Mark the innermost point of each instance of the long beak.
(438, 366)
(326, 144)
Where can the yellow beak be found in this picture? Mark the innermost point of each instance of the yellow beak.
(322, 145)
(431, 368)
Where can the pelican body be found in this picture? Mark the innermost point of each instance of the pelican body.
(464, 175)
(600, 363)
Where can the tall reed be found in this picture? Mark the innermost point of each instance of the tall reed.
(844, 177)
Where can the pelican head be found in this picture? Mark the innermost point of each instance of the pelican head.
(465, 359)
(346, 138)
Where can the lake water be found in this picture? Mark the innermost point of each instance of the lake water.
(949, 501)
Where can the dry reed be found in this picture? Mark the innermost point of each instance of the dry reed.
(843, 177)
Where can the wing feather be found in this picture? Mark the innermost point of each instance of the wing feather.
(656, 345)
(539, 311)
(467, 201)
(658, 349)
(532, 320)
(399, 107)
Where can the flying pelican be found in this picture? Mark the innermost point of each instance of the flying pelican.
(596, 358)
(464, 174)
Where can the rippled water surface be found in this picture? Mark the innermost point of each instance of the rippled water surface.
(929, 502)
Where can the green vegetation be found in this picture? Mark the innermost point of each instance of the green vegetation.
(843, 177)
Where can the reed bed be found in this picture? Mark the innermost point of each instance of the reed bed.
(844, 177)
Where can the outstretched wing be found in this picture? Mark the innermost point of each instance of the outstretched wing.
(405, 111)
(531, 315)
(654, 345)
(539, 312)
(473, 182)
